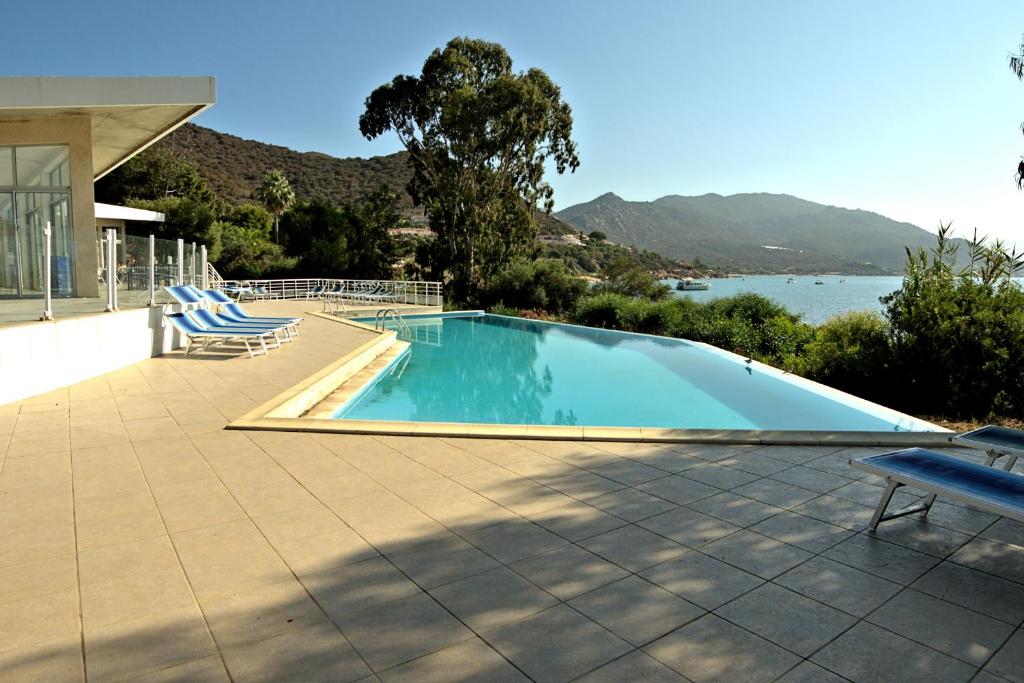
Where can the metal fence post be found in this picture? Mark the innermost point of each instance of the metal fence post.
(152, 270)
(47, 275)
(192, 266)
(204, 270)
(111, 269)
(181, 262)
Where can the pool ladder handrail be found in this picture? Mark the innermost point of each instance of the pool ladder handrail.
(381, 318)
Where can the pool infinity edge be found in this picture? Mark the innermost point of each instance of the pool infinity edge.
(285, 412)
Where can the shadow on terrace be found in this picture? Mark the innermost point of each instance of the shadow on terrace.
(308, 557)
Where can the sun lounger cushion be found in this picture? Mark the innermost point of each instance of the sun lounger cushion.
(993, 437)
(985, 487)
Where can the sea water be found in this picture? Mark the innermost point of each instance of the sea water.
(815, 303)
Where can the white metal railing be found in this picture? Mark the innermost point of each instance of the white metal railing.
(214, 279)
(340, 292)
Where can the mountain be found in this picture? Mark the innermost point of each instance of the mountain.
(754, 232)
(235, 167)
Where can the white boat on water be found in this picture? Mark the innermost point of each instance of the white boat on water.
(689, 285)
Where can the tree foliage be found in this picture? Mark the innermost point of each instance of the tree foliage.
(351, 240)
(479, 136)
(154, 173)
(276, 195)
(1016, 62)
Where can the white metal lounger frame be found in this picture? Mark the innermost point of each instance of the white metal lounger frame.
(934, 490)
(207, 338)
(992, 451)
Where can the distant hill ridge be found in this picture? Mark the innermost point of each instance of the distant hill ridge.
(235, 166)
(723, 231)
(756, 232)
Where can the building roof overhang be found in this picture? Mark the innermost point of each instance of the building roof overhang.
(127, 115)
(127, 213)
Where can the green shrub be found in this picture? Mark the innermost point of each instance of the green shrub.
(601, 310)
(852, 352)
(959, 346)
(544, 284)
(623, 276)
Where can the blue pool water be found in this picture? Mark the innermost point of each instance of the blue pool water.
(500, 370)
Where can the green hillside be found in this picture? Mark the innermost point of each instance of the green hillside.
(754, 232)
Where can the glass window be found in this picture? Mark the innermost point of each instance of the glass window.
(42, 166)
(6, 166)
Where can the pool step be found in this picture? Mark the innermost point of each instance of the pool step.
(326, 408)
(305, 396)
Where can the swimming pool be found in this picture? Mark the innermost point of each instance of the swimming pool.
(481, 368)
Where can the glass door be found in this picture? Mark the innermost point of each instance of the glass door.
(8, 247)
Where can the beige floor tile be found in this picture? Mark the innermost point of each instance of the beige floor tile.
(974, 590)
(634, 666)
(711, 649)
(512, 540)
(206, 670)
(869, 653)
(441, 561)
(636, 610)
(58, 661)
(312, 554)
(956, 631)
(125, 560)
(839, 586)
(41, 577)
(494, 598)
(402, 630)
(633, 548)
(159, 641)
(228, 558)
(261, 613)
(98, 433)
(118, 524)
(201, 513)
(576, 521)
(631, 505)
(356, 587)
(315, 653)
(757, 554)
(471, 660)
(135, 597)
(568, 571)
(109, 482)
(153, 429)
(109, 458)
(54, 444)
(34, 541)
(793, 621)
(702, 580)
(36, 621)
(556, 645)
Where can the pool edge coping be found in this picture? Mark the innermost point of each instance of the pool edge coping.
(319, 385)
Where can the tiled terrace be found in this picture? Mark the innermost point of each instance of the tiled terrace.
(139, 540)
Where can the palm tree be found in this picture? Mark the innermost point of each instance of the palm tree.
(276, 195)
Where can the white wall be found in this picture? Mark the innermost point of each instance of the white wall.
(41, 357)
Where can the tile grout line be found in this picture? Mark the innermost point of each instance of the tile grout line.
(177, 556)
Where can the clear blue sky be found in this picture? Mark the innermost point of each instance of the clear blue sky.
(906, 108)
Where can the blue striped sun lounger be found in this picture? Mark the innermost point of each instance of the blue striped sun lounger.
(206, 318)
(937, 474)
(194, 333)
(996, 441)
